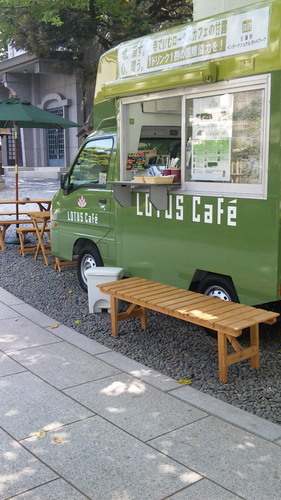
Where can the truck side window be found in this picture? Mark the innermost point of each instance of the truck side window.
(224, 138)
(91, 165)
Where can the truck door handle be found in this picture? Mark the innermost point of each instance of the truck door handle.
(103, 201)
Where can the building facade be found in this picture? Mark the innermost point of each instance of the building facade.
(56, 87)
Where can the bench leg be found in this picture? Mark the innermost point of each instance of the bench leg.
(254, 342)
(251, 352)
(222, 355)
(143, 318)
(2, 244)
(133, 311)
(113, 316)
(21, 241)
(2, 237)
(57, 265)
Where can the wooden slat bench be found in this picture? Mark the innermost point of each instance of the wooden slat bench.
(229, 319)
(4, 224)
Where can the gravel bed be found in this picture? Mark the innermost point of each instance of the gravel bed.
(170, 346)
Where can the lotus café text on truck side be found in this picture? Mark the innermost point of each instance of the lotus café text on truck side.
(200, 103)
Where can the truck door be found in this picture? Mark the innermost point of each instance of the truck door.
(85, 207)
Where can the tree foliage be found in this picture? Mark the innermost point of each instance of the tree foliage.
(44, 27)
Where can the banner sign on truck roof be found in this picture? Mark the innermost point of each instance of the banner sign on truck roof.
(195, 42)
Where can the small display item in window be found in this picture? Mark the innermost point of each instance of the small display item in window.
(135, 161)
(173, 164)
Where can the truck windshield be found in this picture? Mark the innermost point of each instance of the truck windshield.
(92, 163)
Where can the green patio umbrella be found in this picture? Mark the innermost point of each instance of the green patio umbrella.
(18, 113)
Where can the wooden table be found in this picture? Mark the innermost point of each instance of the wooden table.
(12, 217)
(43, 203)
(40, 221)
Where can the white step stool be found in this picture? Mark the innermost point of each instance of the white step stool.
(96, 276)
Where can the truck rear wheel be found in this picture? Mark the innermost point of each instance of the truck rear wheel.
(219, 287)
(88, 258)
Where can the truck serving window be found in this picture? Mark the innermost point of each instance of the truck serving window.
(152, 136)
(216, 135)
(92, 163)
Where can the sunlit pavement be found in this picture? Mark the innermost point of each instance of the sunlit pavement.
(79, 420)
(29, 188)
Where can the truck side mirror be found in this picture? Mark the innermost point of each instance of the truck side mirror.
(64, 182)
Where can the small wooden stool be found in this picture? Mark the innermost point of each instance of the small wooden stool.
(22, 232)
(59, 263)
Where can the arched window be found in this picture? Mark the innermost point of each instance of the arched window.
(55, 142)
(11, 148)
(55, 138)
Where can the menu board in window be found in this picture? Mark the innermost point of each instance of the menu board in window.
(211, 138)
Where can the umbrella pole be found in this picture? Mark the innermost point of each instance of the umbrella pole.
(16, 167)
(14, 240)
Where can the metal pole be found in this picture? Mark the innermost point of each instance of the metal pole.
(16, 167)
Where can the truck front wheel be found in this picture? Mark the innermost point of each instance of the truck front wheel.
(88, 258)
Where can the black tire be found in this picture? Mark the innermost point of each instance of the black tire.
(88, 257)
(219, 287)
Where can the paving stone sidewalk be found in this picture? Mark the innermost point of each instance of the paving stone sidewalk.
(78, 420)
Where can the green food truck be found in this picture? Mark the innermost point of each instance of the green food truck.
(180, 181)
